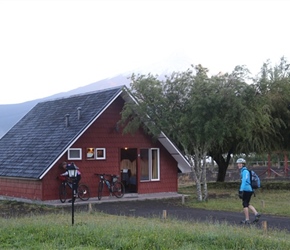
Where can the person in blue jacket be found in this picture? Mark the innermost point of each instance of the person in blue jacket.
(246, 192)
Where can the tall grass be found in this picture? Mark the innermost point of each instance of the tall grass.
(100, 231)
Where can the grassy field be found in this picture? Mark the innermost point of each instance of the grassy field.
(274, 202)
(100, 231)
(95, 230)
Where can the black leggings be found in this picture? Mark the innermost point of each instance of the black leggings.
(246, 198)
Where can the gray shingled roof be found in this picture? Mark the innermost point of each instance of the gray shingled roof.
(31, 147)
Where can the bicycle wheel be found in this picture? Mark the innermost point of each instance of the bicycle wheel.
(100, 190)
(62, 192)
(118, 189)
(83, 192)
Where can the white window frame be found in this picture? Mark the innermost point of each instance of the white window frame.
(100, 157)
(158, 164)
(150, 178)
(74, 158)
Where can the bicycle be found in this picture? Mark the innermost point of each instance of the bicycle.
(115, 186)
(83, 191)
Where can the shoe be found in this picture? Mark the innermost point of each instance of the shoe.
(257, 217)
(245, 222)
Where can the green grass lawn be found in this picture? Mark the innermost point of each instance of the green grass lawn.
(96, 230)
(274, 202)
(101, 231)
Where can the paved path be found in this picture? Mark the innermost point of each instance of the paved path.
(171, 206)
(158, 205)
(173, 209)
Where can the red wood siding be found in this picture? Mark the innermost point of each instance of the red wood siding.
(20, 188)
(103, 134)
(168, 176)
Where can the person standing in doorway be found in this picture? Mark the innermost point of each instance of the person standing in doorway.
(246, 192)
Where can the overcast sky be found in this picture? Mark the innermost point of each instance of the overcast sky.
(47, 47)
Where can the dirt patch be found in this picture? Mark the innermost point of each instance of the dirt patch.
(17, 209)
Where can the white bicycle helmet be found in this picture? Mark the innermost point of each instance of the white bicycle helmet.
(241, 160)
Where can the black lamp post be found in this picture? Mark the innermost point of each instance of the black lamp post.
(72, 173)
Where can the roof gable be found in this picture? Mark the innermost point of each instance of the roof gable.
(30, 147)
(183, 164)
(41, 137)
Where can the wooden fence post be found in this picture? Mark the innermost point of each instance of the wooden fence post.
(90, 207)
(264, 226)
(164, 214)
(263, 203)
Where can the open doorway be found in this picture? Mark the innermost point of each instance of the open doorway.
(129, 169)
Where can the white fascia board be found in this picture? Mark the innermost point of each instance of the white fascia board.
(183, 164)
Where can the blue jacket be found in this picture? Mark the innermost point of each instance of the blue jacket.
(245, 180)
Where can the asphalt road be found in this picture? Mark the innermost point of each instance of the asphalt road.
(172, 208)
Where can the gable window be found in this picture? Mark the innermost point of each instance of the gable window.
(150, 164)
(75, 154)
(100, 153)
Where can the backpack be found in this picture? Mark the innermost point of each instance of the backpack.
(255, 180)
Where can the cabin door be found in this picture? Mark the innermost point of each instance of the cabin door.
(129, 169)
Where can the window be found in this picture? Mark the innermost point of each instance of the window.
(75, 154)
(150, 164)
(100, 153)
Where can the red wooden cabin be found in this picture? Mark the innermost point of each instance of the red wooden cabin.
(83, 129)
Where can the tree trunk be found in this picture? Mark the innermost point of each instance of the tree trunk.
(198, 191)
(222, 170)
(196, 177)
(198, 163)
(222, 165)
(204, 181)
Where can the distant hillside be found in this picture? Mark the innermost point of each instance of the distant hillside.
(10, 114)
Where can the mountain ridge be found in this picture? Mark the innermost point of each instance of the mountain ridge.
(10, 114)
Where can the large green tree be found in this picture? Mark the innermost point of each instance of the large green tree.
(248, 123)
(267, 101)
(216, 116)
(273, 84)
